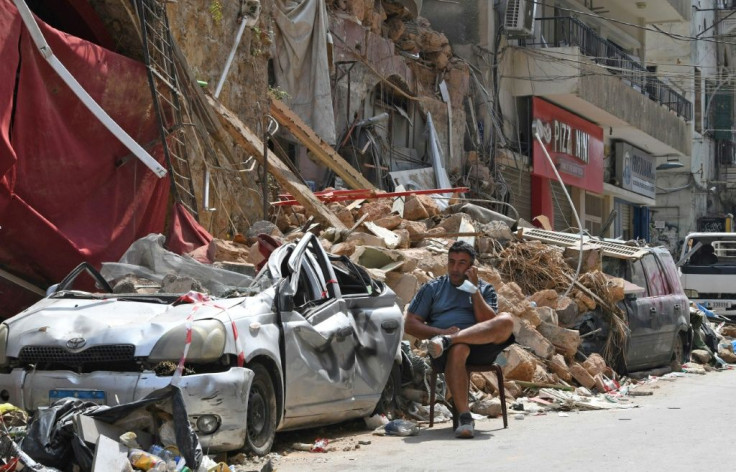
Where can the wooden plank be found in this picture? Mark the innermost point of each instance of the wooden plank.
(254, 146)
(320, 149)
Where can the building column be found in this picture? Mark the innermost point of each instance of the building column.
(542, 199)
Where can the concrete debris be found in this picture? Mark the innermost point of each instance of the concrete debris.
(547, 353)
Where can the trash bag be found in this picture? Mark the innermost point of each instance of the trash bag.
(50, 439)
(710, 337)
(168, 399)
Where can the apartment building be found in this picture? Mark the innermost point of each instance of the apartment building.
(632, 102)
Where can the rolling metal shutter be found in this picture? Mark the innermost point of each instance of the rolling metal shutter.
(519, 184)
(564, 218)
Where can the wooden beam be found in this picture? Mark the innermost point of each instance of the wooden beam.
(320, 149)
(254, 146)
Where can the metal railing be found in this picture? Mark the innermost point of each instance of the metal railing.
(567, 31)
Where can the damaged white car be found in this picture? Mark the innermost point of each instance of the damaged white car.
(311, 341)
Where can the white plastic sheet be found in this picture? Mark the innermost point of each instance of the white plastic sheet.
(301, 65)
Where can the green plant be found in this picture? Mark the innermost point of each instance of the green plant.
(278, 93)
(216, 11)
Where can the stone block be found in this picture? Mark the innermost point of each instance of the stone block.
(595, 364)
(517, 364)
(547, 315)
(701, 356)
(404, 285)
(559, 367)
(545, 298)
(389, 222)
(417, 229)
(565, 340)
(414, 209)
(365, 239)
(404, 238)
(487, 407)
(222, 250)
(582, 376)
(526, 335)
(567, 312)
(374, 210)
(343, 249)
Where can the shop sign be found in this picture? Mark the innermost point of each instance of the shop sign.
(635, 170)
(574, 144)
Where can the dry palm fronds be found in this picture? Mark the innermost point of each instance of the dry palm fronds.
(534, 266)
(601, 285)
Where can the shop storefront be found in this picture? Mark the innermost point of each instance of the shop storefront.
(576, 148)
(635, 173)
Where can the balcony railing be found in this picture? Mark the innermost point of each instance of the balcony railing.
(567, 31)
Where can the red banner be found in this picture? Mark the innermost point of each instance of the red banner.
(69, 190)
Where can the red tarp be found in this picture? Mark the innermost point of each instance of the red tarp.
(69, 190)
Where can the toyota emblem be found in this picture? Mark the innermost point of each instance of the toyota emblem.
(76, 343)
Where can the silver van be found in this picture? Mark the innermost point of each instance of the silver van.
(656, 313)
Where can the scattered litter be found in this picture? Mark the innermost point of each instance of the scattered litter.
(563, 414)
(398, 428)
(373, 422)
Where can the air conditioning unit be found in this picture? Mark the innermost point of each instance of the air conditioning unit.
(518, 21)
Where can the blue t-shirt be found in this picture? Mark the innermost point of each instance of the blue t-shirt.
(442, 305)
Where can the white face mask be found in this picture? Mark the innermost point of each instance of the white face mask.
(468, 286)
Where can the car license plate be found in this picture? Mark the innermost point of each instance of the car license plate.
(97, 396)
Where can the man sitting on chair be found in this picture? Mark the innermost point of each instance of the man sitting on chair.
(457, 313)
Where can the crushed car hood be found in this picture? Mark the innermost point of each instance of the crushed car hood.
(112, 321)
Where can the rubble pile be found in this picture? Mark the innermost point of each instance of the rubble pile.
(411, 34)
(533, 280)
(544, 287)
(534, 283)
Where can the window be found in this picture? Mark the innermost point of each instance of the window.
(658, 284)
(593, 218)
(639, 277)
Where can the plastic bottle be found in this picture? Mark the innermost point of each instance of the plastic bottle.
(146, 461)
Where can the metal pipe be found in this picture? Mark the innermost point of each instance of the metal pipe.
(264, 180)
(229, 61)
(572, 205)
(87, 100)
(22, 283)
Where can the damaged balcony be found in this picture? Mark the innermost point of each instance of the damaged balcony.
(574, 67)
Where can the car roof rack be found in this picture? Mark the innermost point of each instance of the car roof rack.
(610, 248)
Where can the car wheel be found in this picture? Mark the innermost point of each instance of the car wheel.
(390, 393)
(261, 421)
(678, 353)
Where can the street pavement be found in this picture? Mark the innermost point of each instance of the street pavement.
(686, 425)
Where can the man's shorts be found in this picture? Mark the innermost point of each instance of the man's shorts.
(479, 354)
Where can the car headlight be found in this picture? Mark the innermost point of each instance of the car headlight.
(3, 344)
(208, 343)
(690, 293)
